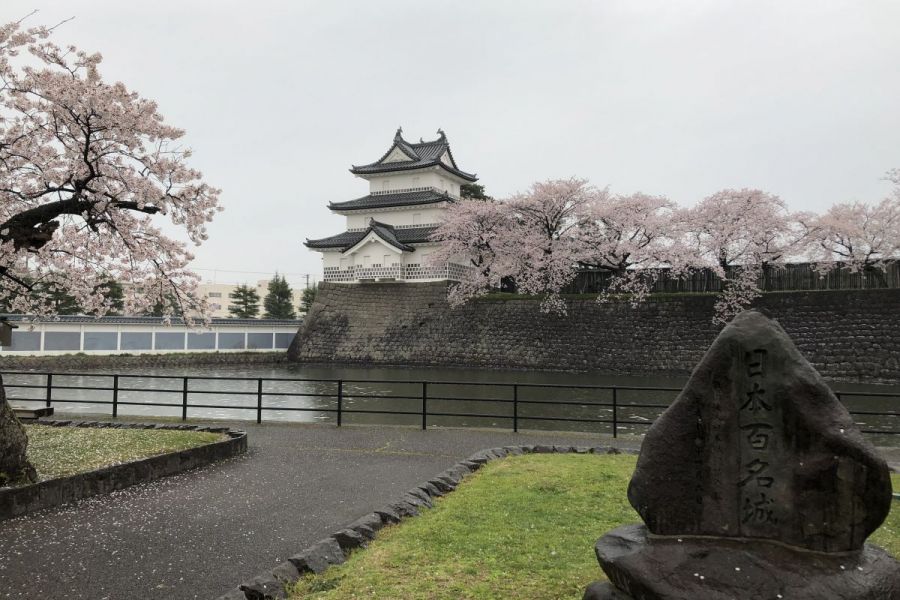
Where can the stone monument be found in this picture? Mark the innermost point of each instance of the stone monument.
(755, 483)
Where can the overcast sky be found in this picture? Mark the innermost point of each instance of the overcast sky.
(681, 98)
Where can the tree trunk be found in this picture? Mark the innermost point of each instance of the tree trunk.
(14, 465)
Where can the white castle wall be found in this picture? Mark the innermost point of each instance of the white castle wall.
(407, 217)
(438, 179)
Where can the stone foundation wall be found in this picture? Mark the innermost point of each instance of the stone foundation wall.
(847, 335)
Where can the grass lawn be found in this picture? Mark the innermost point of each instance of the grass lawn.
(522, 527)
(61, 451)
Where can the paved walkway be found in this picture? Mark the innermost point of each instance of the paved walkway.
(199, 534)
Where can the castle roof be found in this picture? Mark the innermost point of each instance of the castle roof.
(405, 156)
(400, 198)
(398, 238)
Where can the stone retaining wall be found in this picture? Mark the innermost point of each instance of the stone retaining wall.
(851, 335)
(20, 500)
(118, 361)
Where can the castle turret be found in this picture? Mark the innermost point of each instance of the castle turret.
(388, 234)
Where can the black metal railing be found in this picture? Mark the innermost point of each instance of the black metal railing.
(419, 401)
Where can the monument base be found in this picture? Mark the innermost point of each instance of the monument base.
(604, 590)
(666, 568)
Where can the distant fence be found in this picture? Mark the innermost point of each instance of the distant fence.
(790, 277)
(596, 408)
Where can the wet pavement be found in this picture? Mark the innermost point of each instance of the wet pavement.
(199, 534)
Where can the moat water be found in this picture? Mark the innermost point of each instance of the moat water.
(400, 390)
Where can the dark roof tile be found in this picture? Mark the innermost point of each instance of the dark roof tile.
(422, 155)
(389, 200)
(400, 237)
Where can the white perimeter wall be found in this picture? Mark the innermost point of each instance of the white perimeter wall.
(224, 338)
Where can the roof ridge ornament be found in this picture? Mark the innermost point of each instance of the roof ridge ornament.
(423, 155)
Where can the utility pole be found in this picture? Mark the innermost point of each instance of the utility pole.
(307, 281)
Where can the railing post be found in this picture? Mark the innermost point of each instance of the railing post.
(340, 398)
(115, 396)
(615, 423)
(515, 408)
(259, 385)
(424, 405)
(49, 389)
(184, 398)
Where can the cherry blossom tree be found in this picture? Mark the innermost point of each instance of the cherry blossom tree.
(858, 236)
(530, 237)
(85, 166)
(545, 245)
(470, 234)
(632, 237)
(738, 234)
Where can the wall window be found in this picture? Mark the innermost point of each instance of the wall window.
(386, 184)
(417, 219)
(201, 341)
(215, 294)
(167, 340)
(231, 341)
(259, 341)
(101, 340)
(137, 340)
(26, 341)
(415, 182)
(62, 340)
(283, 340)
(215, 306)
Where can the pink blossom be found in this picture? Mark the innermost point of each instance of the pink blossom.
(857, 235)
(470, 235)
(85, 165)
(748, 230)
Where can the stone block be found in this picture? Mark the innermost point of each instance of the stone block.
(263, 587)
(318, 557)
(349, 539)
(388, 515)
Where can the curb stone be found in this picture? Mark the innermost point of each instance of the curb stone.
(335, 549)
(21, 500)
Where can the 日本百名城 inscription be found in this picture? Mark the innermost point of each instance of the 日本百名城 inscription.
(755, 483)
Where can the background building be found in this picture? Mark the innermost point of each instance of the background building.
(388, 234)
(217, 294)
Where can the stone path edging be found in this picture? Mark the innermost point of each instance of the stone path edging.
(335, 549)
(21, 500)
